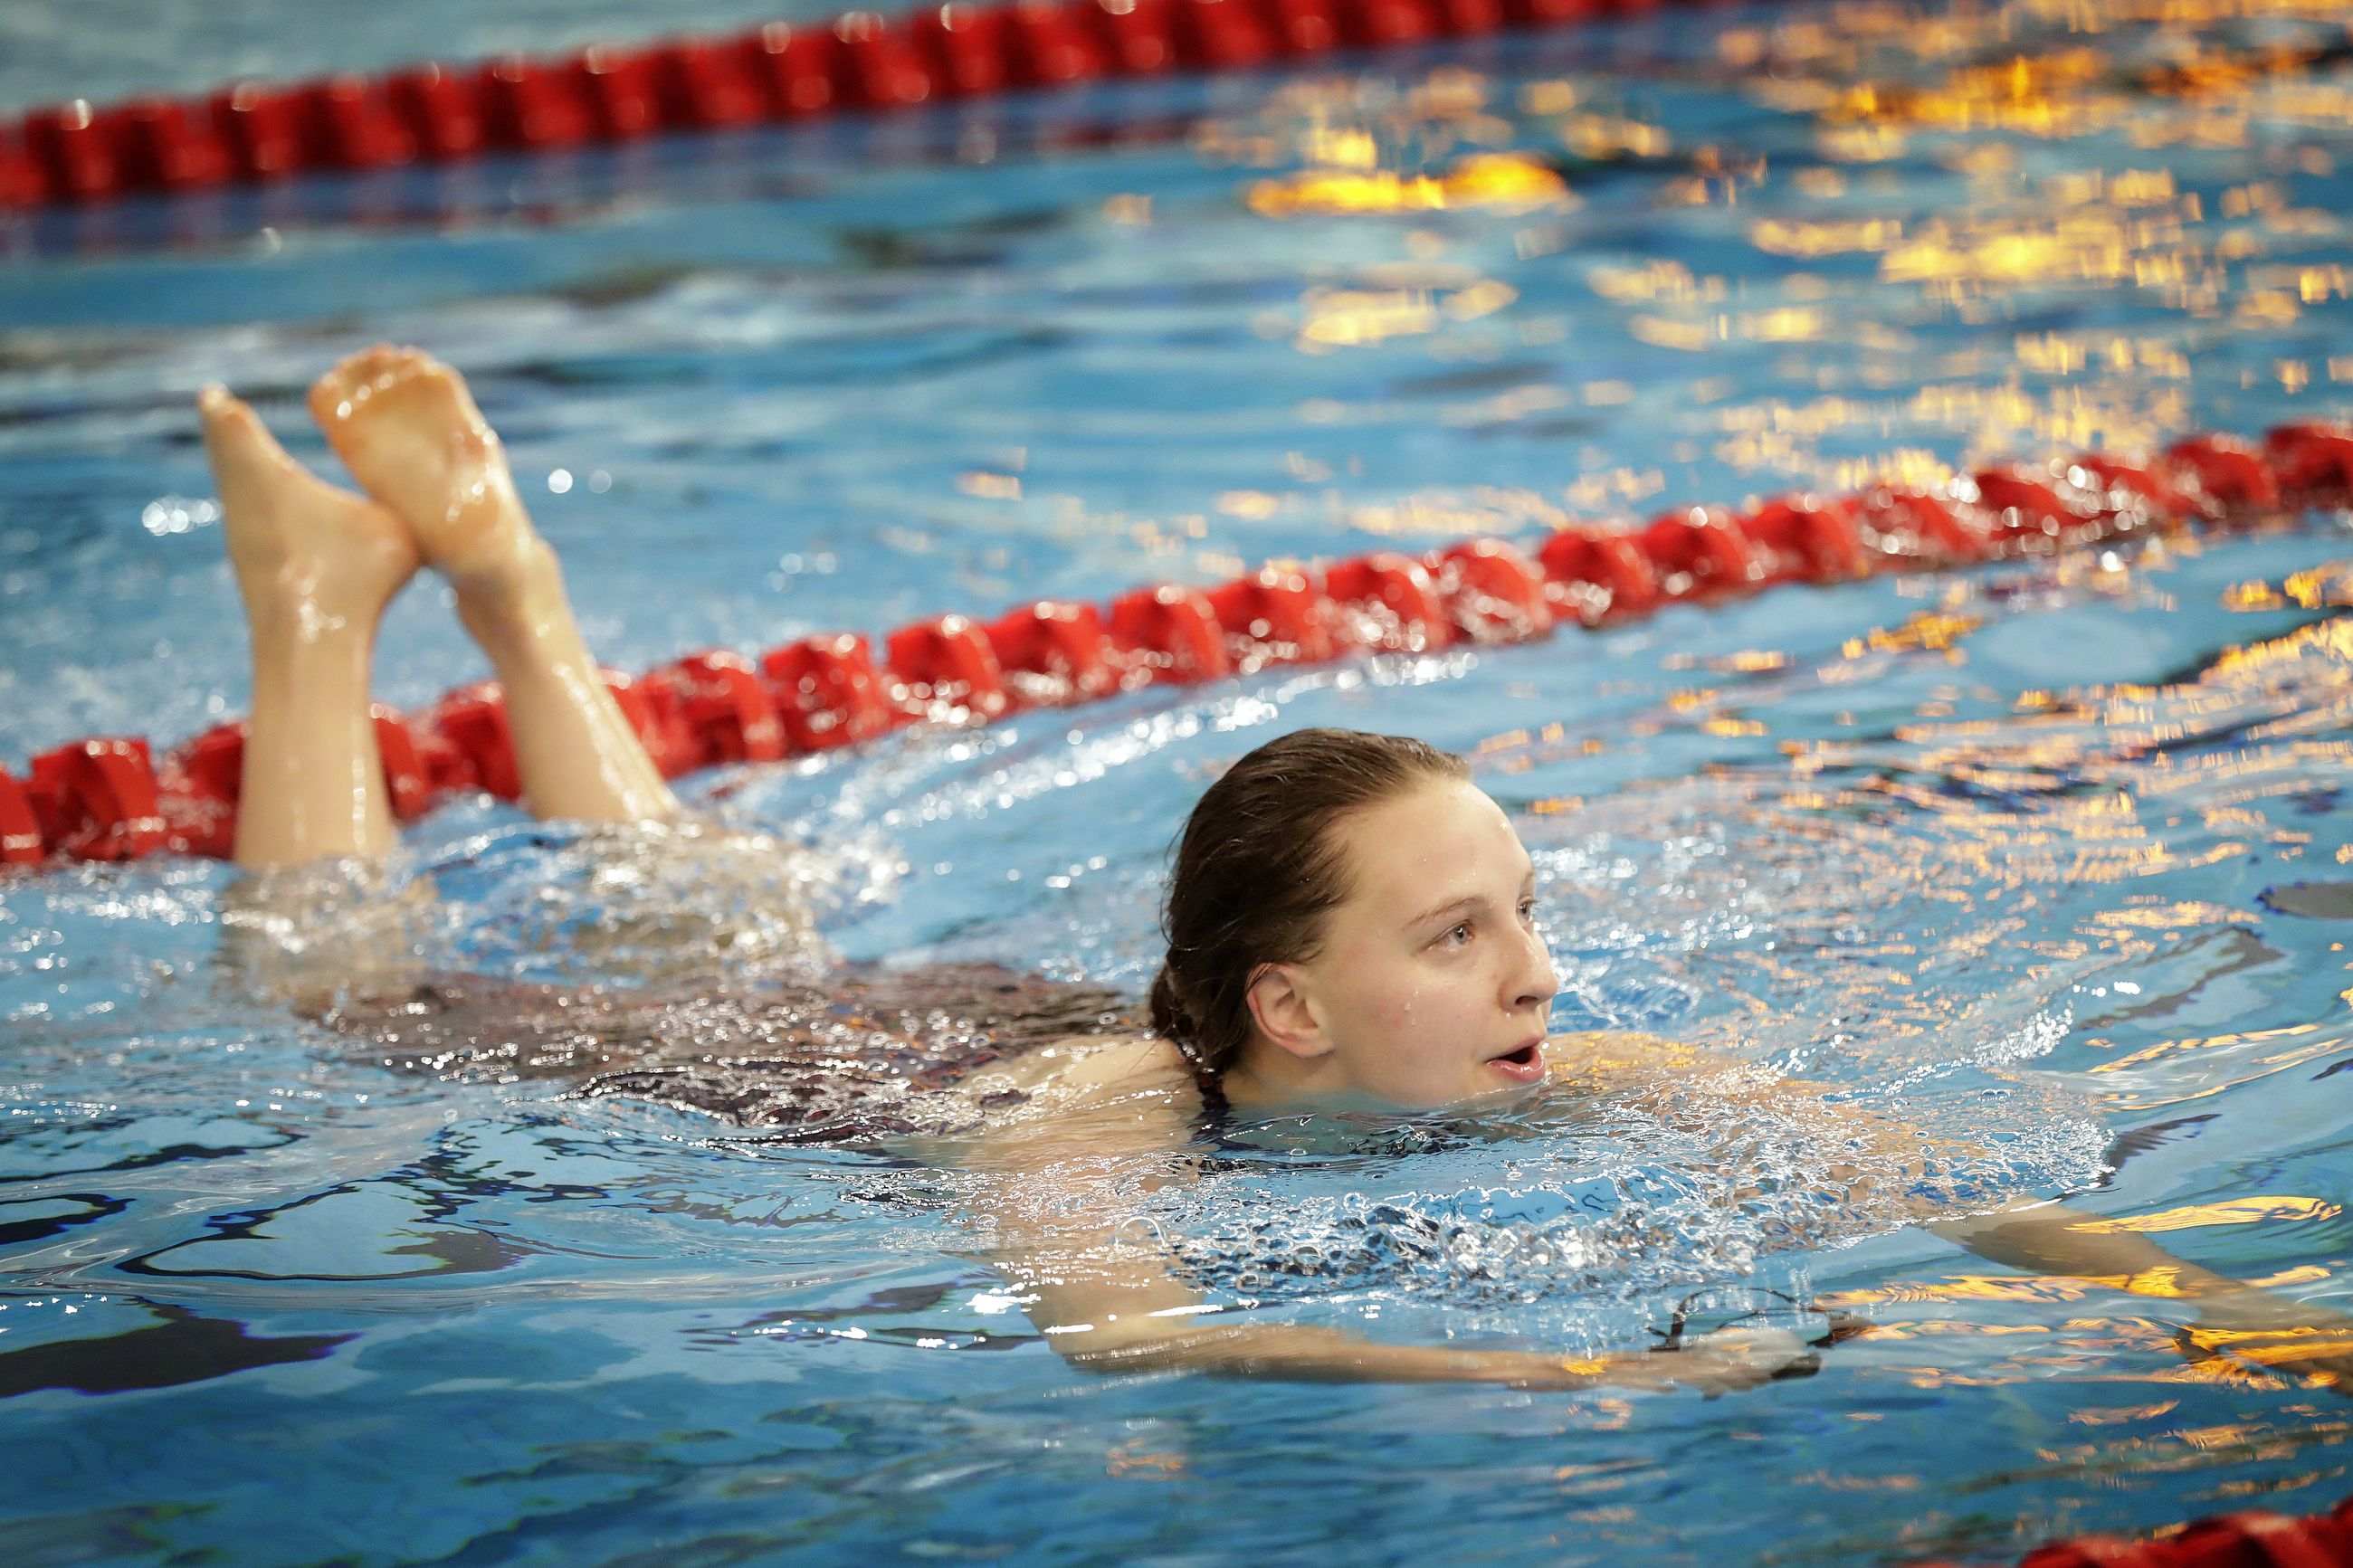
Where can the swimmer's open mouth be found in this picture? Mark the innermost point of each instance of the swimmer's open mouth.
(1526, 1063)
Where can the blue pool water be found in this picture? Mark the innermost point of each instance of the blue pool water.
(2011, 853)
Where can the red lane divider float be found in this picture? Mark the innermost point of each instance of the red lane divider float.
(859, 61)
(109, 799)
(2249, 1539)
(96, 799)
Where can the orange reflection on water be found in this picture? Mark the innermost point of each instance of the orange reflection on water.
(1956, 257)
(1931, 630)
(2253, 596)
(2066, 353)
(1503, 180)
(2229, 1211)
(2273, 1347)
(1810, 241)
(2328, 586)
(2040, 95)
(2036, 1288)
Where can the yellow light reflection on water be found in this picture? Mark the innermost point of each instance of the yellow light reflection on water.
(2228, 1211)
(1512, 183)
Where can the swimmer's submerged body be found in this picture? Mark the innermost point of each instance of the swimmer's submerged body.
(1350, 923)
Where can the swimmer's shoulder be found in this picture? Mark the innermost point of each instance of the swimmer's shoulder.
(1088, 1065)
(1098, 1093)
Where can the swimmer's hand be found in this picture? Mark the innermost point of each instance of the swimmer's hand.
(1729, 1359)
(2293, 1338)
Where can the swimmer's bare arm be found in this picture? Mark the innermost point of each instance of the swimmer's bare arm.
(2251, 1323)
(2041, 1235)
(1060, 1194)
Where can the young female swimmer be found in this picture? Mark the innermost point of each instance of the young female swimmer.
(1349, 924)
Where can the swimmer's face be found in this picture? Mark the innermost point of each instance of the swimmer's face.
(1432, 985)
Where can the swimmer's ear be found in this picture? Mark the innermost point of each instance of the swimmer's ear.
(1279, 1006)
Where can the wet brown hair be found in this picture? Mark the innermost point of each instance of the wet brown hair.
(1258, 866)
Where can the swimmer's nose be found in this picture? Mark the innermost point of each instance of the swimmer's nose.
(1533, 983)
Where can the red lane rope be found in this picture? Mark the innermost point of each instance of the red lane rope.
(112, 798)
(2254, 1539)
(249, 132)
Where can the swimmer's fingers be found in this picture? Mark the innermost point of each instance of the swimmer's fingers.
(1730, 1360)
(1837, 1326)
(1782, 1354)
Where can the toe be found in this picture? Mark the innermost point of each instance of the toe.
(350, 367)
(384, 363)
(354, 370)
(232, 429)
(333, 388)
(411, 364)
(446, 377)
(338, 394)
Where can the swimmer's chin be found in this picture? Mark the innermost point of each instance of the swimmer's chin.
(1521, 1084)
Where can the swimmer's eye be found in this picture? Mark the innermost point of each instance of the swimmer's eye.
(1527, 909)
(1458, 935)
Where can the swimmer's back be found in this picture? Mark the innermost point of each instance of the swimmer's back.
(861, 1053)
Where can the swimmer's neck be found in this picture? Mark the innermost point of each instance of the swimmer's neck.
(1266, 1081)
(1249, 1095)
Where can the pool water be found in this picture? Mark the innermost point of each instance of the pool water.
(2037, 856)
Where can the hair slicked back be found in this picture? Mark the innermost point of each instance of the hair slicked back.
(1258, 866)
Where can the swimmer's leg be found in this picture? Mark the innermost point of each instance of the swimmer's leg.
(408, 429)
(316, 567)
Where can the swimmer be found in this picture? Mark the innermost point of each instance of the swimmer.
(1350, 923)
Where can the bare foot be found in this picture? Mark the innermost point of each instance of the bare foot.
(299, 546)
(407, 427)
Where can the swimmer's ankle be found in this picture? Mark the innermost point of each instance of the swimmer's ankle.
(300, 622)
(522, 600)
(521, 574)
(304, 600)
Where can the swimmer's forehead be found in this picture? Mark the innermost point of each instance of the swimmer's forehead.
(1438, 849)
